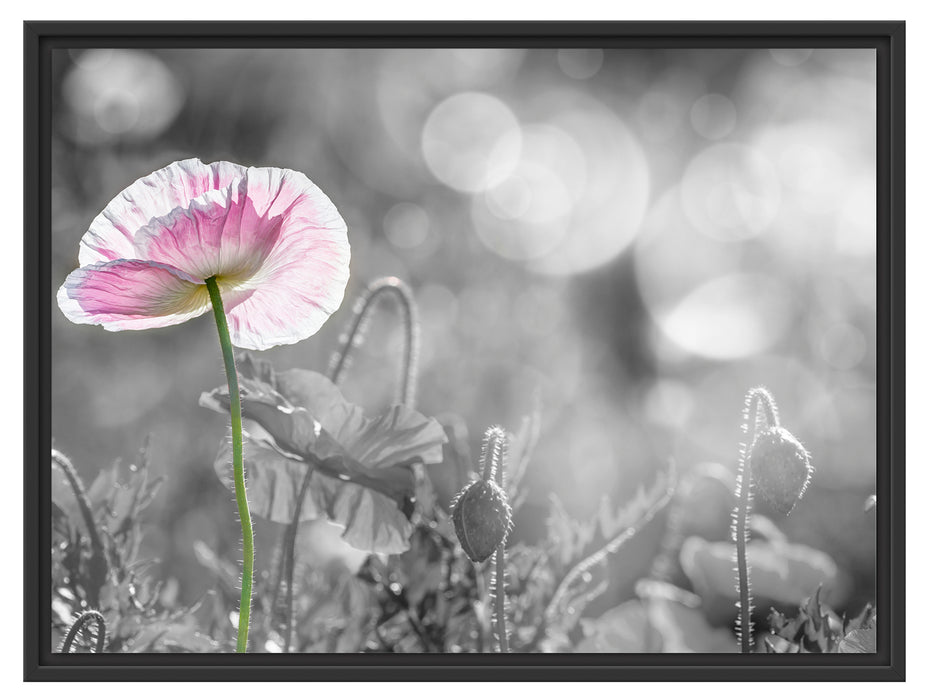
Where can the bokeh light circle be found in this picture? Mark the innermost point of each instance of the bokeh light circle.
(580, 63)
(672, 258)
(713, 116)
(527, 214)
(843, 346)
(407, 225)
(731, 192)
(117, 94)
(730, 317)
(790, 57)
(612, 201)
(471, 141)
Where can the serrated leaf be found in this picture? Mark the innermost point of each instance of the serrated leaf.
(862, 621)
(521, 447)
(566, 537)
(858, 642)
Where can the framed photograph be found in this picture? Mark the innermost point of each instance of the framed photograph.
(551, 351)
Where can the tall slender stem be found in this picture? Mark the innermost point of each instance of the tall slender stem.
(498, 460)
(287, 551)
(339, 364)
(501, 621)
(239, 478)
(759, 412)
(745, 629)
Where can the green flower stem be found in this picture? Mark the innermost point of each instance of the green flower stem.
(239, 479)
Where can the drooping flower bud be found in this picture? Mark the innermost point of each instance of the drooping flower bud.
(482, 518)
(781, 468)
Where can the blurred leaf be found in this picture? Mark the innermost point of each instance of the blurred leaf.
(580, 585)
(520, 450)
(653, 625)
(456, 468)
(621, 630)
(122, 492)
(173, 636)
(684, 630)
(652, 588)
(782, 572)
(422, 566)
(372, 521)
(566, 537)
(226, 573)
(361, 468)
(61, 523)
(335, 612)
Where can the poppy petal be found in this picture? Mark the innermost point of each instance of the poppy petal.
(303, 276)
(111, 234)
(131, 295)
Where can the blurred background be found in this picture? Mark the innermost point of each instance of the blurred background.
(640, 236)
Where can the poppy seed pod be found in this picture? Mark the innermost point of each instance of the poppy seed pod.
(781, 468)
(482, 518)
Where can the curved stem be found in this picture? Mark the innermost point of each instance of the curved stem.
(498, 449)
(361, 313)
(494, 454)
(99, 563)
(239, 479)
(760, 412)
(760, 405)
(340, 362)
(80, 624)
(745, 622)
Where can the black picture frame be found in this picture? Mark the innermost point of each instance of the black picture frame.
(887, 38)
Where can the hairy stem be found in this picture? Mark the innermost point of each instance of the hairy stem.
(494, 458)
(99, 565)
(362, 311)
(760, 412)
(287, 549)
(494, 453)
(80, 624)
(501, 620)
(340, 363)
(239, 478)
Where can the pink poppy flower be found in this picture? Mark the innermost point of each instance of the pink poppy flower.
(274, 241)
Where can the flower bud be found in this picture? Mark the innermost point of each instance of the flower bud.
(781, 468)
(482, 518)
